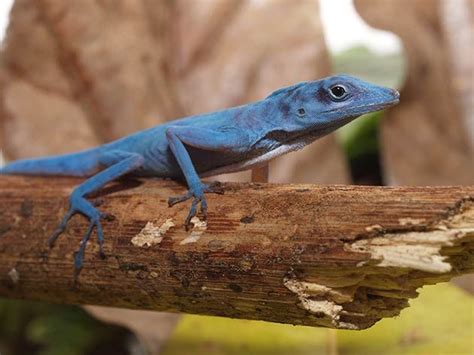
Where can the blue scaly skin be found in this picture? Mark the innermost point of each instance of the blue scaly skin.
(234, 139)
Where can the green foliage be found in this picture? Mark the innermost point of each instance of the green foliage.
(45, 329)
(360, 142)
(440, 321)
(360, 137)
(218, 336)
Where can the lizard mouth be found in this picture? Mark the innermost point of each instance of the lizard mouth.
(383, 105)
(366, 108)
(362, 110)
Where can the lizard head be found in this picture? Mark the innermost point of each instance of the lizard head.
(329, 103)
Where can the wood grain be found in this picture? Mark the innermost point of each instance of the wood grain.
(333, 256)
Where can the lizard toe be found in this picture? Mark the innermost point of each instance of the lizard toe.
(204, 208)
(192, 212)
(198, 198)
(178, 199)
(62, 227)
(214, 187)
(79, 255)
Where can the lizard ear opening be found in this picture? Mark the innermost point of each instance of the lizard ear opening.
(301, 112)
(286, 90)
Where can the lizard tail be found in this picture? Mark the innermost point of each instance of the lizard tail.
(80, 164)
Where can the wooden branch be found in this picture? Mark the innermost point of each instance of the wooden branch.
(261, 174)
(333, 256)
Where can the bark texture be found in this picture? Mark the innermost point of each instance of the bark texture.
(334, 256)
(428, 138)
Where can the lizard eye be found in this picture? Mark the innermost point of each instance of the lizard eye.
(301, 112)
(338, 92)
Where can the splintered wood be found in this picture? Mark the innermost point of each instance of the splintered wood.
(333, 256)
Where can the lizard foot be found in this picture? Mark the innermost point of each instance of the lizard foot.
(79, 255)
(84, 207)
(198, 197)
(214, 187)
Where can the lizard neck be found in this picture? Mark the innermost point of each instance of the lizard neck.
(265, 121)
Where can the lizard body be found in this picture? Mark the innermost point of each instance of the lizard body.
(234, 139)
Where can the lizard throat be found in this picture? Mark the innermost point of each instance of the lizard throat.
(294, 144)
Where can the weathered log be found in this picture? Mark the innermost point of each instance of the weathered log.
(333, 256)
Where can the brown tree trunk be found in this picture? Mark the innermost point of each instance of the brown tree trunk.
(334, 256)
(427, 138)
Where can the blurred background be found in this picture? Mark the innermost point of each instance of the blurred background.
(74, 74)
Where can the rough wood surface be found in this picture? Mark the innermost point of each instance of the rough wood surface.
(333, 256)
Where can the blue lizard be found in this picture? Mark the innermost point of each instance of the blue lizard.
(234, 139)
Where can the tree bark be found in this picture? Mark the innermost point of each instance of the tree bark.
(427, 139)
(332, 256)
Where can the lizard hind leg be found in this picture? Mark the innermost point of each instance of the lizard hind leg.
(119, 163)
(80, 205)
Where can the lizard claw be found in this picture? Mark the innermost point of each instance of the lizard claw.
(178, 199)
(107, 216)
(214, 187)
(204, 209)
(79, 255)
(80, 205)
(192, 211)
(198, 194)
(61, 228)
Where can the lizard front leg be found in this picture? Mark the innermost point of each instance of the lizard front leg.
(206, 139)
